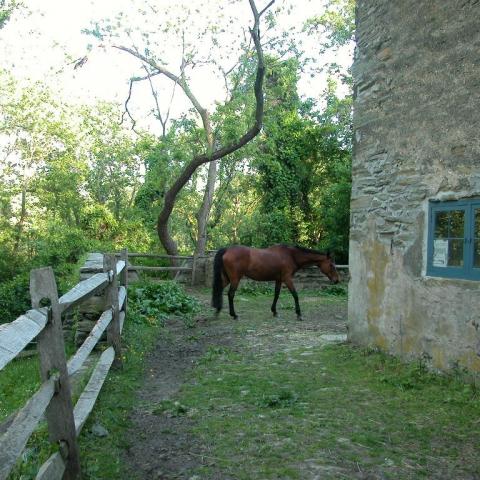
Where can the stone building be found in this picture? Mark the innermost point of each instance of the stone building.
(415, 208)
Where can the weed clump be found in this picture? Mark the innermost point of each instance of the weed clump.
(335, 291)
(284, 399)
(255, 288)
(170, 408)
(154, 302)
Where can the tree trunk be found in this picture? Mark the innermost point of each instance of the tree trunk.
(212, 154)
(204, 212)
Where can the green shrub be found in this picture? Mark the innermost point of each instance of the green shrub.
(155, 301)
(14, 297)
(98, 222)
(59, 245)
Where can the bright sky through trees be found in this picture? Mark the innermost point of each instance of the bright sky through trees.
(39, 42)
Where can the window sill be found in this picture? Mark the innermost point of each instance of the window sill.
(472, 284)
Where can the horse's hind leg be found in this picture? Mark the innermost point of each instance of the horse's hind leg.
(225, 282)
(291, 287)
(231, 295)
(278, 286)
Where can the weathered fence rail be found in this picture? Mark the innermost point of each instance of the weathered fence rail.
(53, 399)
(186, 263)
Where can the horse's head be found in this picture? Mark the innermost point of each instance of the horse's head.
(327, 266)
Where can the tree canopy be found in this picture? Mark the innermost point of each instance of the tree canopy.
(77, 177)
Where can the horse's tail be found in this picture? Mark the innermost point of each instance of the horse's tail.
(217, 287)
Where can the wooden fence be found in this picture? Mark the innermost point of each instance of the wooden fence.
(187, 263)
(201, 269)
(53, 399)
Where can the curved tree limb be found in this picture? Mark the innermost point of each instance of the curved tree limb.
(184, 177)
(212, 153)
(127, 111)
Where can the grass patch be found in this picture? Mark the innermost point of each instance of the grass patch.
(101, 456)
(19, 380)
(149, 304)
(334, 412)
(256, 288)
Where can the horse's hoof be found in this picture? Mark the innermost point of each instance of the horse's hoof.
(234, 317)
(275, 314)
(299, 318)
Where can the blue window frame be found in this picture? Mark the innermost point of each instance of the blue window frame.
(454, 239)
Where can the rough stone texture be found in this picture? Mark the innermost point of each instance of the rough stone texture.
(417, 123)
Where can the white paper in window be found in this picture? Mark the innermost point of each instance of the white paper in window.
(440, 253)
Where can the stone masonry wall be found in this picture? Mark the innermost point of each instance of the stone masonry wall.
(417, 137)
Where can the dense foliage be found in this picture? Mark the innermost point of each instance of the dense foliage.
(76, 179)
(154, 302)
(69, 180)
(293, 184)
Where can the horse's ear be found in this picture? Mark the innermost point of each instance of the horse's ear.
(329, 255)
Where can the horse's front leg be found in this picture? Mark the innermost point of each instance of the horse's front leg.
(231, 295)
(278, 286)
(291, 287)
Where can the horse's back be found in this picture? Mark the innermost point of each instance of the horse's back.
(257, 263)
(235, 262)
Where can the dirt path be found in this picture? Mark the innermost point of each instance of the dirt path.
(163, 446)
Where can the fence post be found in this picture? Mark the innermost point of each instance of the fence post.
(111, 294)
(51, 351)
(124, 276)
(194, 266)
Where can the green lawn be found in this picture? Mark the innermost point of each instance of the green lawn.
(21, 378)
(278, 402)
(333, 411)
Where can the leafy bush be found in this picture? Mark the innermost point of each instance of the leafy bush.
(59, 244)
(154, 301)
(14, 298)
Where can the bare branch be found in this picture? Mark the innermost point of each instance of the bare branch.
(127, 111)
(181, 80)
(155, 97)
(171, 194)
(266, 8)
(213, 152)
(171, 102)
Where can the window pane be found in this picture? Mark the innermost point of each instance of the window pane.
(456, 224)
(476, 254)
(476, 233)
(455, 253)
(441, 224)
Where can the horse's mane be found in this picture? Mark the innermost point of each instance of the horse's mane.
(306, 250)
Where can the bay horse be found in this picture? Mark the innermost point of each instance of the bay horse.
(278, 263)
